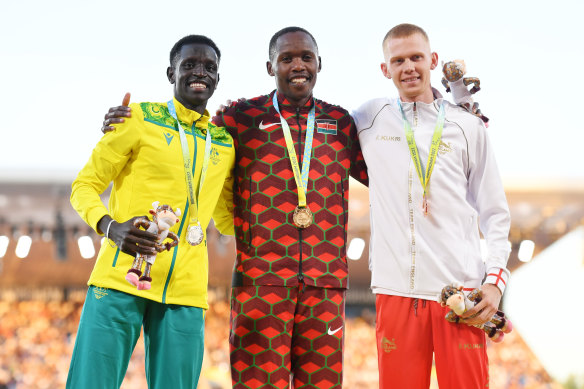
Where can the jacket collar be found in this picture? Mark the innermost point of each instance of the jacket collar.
(283, 103)
(189, 116)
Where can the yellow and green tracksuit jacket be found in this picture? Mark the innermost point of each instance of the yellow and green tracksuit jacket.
(143, 158)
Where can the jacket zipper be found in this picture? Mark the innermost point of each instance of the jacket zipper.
(415, 116)
(250, 213)
(299, 153)
(172, 263)
(344, 216)
(411, 212)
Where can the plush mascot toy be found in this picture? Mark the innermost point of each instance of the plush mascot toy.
(163, 218)
(454, 298)
(455, 82)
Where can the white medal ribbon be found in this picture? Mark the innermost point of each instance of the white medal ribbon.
(194, 230)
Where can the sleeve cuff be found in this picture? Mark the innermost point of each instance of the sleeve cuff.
(225, 226)
(498, 277)
(94, 216)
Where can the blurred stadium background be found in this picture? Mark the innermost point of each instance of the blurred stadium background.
(47, 253)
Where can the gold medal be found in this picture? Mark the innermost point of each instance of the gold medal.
(195, 234)
(302, 217)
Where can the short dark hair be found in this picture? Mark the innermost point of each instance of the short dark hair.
(405, 30)
(286, 30)
(188, 40)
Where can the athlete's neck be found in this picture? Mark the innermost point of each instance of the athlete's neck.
(426, 97)
(199, 108)
(297, 103)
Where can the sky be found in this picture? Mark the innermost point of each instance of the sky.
(64, 63)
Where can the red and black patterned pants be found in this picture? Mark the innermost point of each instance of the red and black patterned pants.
(282, 335)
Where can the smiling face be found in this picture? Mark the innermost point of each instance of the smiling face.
(195, 75)
(295, 65)
(408, 62)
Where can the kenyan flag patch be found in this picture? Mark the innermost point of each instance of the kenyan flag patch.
(326, 126)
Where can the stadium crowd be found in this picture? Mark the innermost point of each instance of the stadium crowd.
(37, 337)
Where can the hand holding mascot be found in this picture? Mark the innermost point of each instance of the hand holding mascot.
(163, 218)
(454, 298)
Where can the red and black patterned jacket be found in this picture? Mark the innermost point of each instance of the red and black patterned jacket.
(271, 250)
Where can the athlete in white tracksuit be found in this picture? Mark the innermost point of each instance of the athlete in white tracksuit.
(413, 255)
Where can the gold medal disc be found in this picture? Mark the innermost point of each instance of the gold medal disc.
(302, 217)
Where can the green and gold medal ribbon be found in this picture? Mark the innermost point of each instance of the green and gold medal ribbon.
(436, 138)
(301, 178)
(193, 210)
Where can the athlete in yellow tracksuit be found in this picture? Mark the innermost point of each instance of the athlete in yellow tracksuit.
(144, 160)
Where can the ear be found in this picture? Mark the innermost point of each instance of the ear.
(217, 83)
(434, 61)
(269, 68)
(384, 70)
(170, 74)
(319, 64)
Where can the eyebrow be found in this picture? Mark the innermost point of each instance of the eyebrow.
(204, 60)
(420, 53)
(302, 52)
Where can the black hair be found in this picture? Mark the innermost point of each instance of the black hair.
(272, 48)
(192, 39)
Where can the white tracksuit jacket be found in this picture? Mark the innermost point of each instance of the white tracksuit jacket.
(413, 255)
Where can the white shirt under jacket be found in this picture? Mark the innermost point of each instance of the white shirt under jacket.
(413, 255)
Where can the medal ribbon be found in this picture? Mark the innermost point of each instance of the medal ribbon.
(193, 210)
(424, 179)
(301, 178)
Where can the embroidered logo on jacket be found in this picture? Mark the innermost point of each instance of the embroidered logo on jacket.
(263, 126)
(388, 138)
(214, 157)
(444, 148)
(326, 126)
(168, 137)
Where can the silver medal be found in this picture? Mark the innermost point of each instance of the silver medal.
(195, 234)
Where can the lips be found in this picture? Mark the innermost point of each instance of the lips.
(198, 85)
(299, 80)
(410, 79)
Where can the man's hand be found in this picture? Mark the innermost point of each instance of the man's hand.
(484, 310)
(129, 239)
(116, 114)
(229, 103)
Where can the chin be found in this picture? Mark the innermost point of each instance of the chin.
(199, 98)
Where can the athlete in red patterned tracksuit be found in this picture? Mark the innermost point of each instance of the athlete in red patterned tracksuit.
(287, 303)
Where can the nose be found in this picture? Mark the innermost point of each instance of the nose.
(409, 65)
(199, 69)
(298, 64)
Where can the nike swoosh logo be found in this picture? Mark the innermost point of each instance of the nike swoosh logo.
(263, 126)
(332, 332)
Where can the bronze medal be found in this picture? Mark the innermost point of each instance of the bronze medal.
(302, 217)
